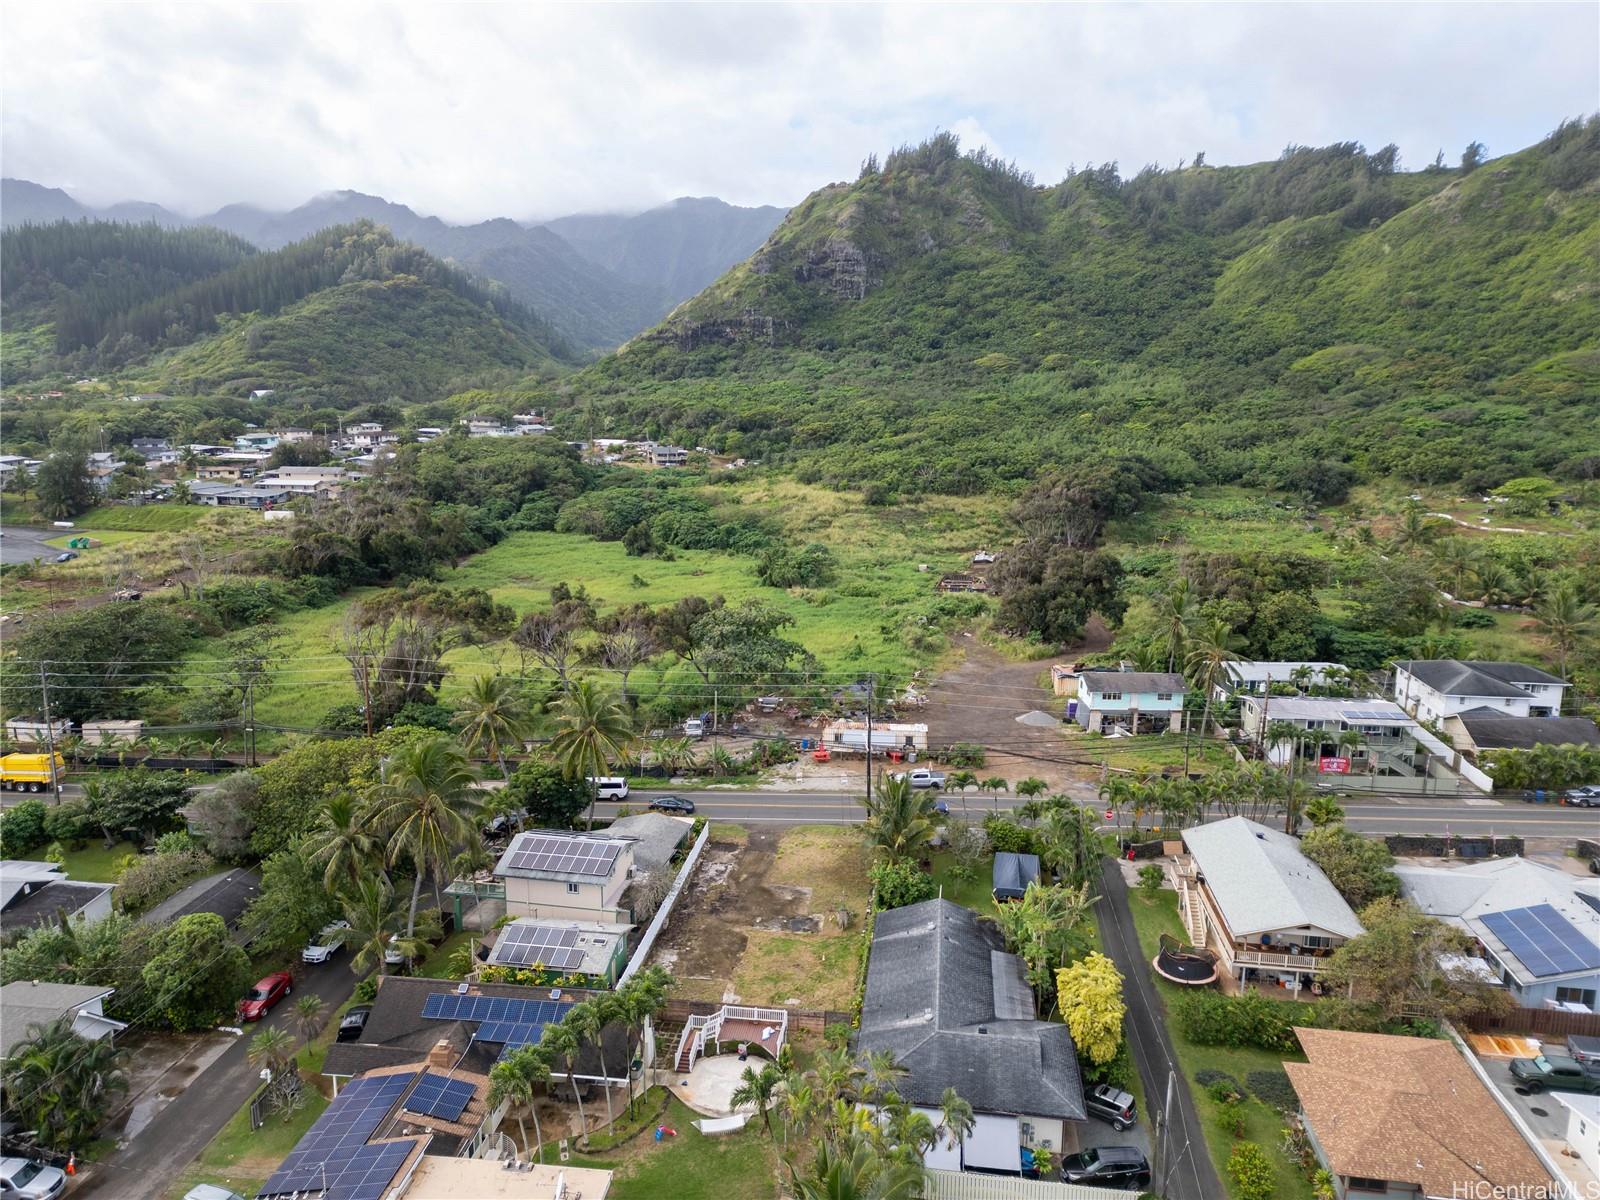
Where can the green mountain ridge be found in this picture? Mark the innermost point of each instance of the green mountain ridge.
(943, 324)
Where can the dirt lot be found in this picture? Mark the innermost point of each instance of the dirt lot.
(759, 923)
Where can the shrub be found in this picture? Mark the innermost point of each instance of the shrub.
(964, 754)
(365, 991)
(154, 877)
(1251, 1172)
(1208, 1019)
(1150, 878)
(71, 821)
(894, 885)
(22, 828)
(1225, 1091)
(1207, 1076)
(1274, 1088)
(1007, 836)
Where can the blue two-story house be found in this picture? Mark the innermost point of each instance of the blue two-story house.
(1136, 701)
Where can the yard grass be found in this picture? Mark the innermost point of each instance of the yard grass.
(799, 970)
(437, 964)
(831, 860)
(1149, 751)
(976, 893)
(731, 832)
(106, 537)
(94, 863)
(689, 1166)
(1153, 916)
(145, 518)
(240, 1158)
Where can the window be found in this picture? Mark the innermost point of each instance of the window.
(1112, 696)
(1357, 1183)
(1316, 941)
(573, 888)
(1163, 695)
(1583, 996)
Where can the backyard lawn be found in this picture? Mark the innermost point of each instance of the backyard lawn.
(94, 863)
(437, 964)
(1263, 1124)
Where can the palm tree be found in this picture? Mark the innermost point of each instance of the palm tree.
(376, 918)
(308, 1015)
(341, 842)
(593, 730)
(798, 1103)
(1323, 810)
(1176, 612)
(994, 785)
(61, 1084)
(1457, 558)
(1211, 649)
(1414, 532)
(850, 1168)
(492, 714)
(883, 1071)
(514, 1079)
(838, 1073)
(1032, 786)
(271, 1048)
(960, 781)
(957, 1121)
(639, 1000)
(900, 819)
(1564, 621)
(589, 1020)
(424, 799)
(561, 1041)
(758, 1089)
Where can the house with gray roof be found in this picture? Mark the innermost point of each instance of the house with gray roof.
(1132, 701)
(955, 1009)
(1246, 892)
(1484, 728)
(27, 1003)
(35, 893)
(1435, 688)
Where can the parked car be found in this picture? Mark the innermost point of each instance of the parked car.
(1583, 797)
(353, 1022)
(1555, 1073)
(610, 787)
(921, 777)
(325, 943)
(25, 1179)
(66, 556)
(675, 804)
(694, 727)
(1110, 1166)
(1585, 1050)
(259, 1000)
(210, 1191)
(1110, 1104)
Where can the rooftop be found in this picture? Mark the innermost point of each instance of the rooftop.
(439, 1178)
(1490, 728)
(656, 836)
(971, 1026)
(1409, 1110)
(560, 855)
(1262, 882)
(27, 910)
(1278, 672)
(1132, 681)
(1452, 677)
(586, 947)
(24, 1003)
(1316, 708)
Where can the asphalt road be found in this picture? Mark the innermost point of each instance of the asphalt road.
(1182, 1163)
(1376, 815)
(147, 1166)
(22, 544)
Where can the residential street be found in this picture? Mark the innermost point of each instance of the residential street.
(1181, 1159)
(144, 1168)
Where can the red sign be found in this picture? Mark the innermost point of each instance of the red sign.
(1333, 766)
(1110, 815)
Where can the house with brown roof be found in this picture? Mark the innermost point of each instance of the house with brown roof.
(1405, 1116)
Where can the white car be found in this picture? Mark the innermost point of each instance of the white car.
(325, 943)
(24, 1179)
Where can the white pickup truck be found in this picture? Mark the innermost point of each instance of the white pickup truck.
(921, 777)
(325, 943)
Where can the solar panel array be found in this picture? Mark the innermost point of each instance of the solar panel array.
(523, 945)
(453, 1006)
(333, 1158)
(565, 855)
(438, 1096)
(510, 1033)
(1545, 941)
(1370, 714)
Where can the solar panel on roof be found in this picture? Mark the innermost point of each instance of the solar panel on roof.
(523, 945)
(511, 1033)
(1545, 941)
(439, 1096)
(333, 1158)
(570, 856)
(449, 1006)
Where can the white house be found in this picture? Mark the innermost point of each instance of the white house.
(1583, 1127)
(1136, 701)
(1436, 688)
(567, 876)
(1253, 678)
(886, 735)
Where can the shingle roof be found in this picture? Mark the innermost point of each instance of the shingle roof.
(24, 1003)
(657, 836)
(43, 903)
(1523, 733)
(946, 1030)
(1261, 881)
(1132, 681)
(1409, 1110)
(1452, 677)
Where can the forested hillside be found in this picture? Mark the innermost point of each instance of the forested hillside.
(944, 324)
(350, 309)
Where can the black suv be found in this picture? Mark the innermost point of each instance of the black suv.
(676, 804)
(1109, 1104)
(354, 1022)
(1111, 1166)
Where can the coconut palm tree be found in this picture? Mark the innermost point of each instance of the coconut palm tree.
(1176, 613)
(593, 730)
(1458, 559)
(491, 716)
(377, 919)
(957, 1122)
(900, 819)
(994, 785)
(1414, 531)
(424, 799)
(589, 1020)
(341, 842)
(271, 1048)
(309, 1015)
(61, 1084)
(562, 1042)
(1211, 648)
(514, 1079)
(758, 1089)
(1564, 621)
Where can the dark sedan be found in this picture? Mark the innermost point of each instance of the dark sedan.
(672, 804)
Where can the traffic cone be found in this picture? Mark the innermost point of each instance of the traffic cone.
(72, 1163)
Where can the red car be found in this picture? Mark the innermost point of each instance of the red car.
(258, 1001)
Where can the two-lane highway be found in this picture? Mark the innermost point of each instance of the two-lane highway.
(1472, 816)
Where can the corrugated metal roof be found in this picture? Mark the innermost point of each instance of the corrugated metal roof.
(962, 1185)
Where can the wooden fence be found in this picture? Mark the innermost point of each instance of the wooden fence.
(1550, 1022)
(811, 1020)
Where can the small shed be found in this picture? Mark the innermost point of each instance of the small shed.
(1013, 873)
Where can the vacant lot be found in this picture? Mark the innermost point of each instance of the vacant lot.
(759, 924)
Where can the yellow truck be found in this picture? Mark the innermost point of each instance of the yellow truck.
(28, 772)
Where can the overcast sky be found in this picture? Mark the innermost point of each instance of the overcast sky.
(471, 111)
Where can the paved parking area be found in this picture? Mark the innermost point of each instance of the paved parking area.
(1543, 1113)
(1099, 1133)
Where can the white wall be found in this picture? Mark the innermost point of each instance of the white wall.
(994, 1144)
(943, 1156)
(1583, 1135)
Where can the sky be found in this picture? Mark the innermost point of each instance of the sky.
(471, 111)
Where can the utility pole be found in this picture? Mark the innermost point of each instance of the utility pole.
(49, 730)
(872, 685)
(250, 722)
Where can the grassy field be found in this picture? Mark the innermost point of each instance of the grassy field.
(1147, 752)
(94, 863)
(145, 518)
(437, 964)
(1154, 916)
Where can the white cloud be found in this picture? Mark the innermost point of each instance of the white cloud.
(479, 110)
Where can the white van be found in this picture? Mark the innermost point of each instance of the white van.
(611, 787)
